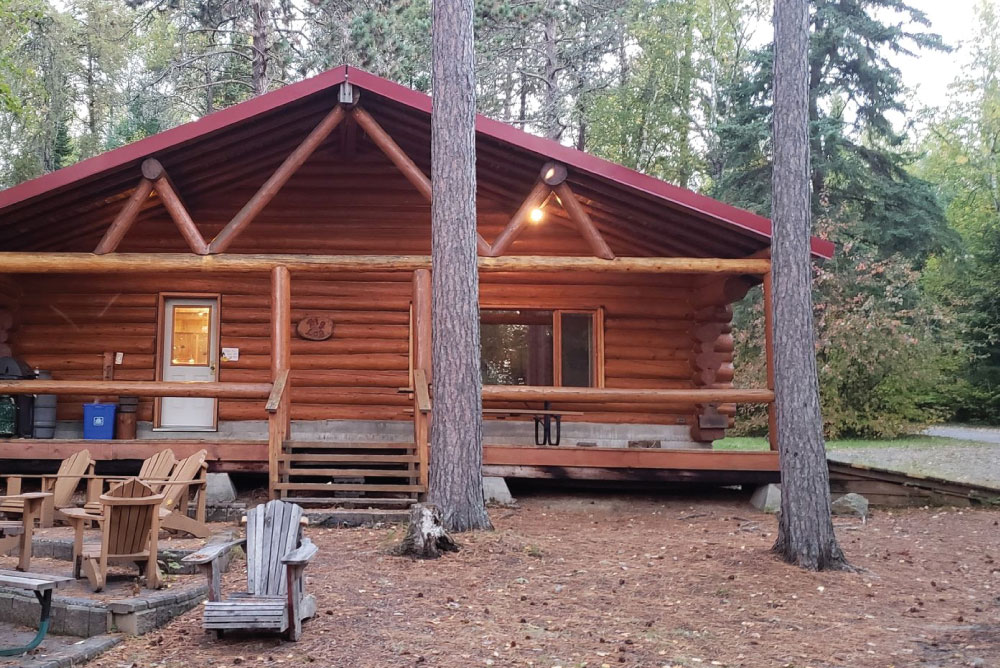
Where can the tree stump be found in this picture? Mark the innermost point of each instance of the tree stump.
(425, 536)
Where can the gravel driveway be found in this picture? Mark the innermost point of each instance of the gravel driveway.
(984, 434)
(975, 464)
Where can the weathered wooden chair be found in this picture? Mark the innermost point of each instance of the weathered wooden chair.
(277, 555)
(189, 474)
(153, 472)
(61, 484)
(130, 526)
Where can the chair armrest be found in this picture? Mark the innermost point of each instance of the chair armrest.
(211, 552)
(79, 514)
(302, 555)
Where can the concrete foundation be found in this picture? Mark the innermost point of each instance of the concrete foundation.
(498, 432)
(495, 490)
(767, 498)
(219, 489)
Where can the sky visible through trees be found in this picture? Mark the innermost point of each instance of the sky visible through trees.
(907, 313)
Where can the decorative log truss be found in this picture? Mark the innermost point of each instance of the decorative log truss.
(551, 184)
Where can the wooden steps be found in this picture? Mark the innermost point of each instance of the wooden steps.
(333, 445)
(349, 474)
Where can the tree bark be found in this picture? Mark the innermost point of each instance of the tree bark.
(261, 11)
(805, 527)
(456, 452)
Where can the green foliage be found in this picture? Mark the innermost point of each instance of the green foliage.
(886, 352)
(962, 156)
(858, 161)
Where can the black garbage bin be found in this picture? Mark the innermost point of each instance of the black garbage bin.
(13, 369)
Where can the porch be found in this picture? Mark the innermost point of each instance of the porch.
(328, 464)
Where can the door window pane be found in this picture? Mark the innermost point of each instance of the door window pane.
(517, 347)
(577, 353)
(190, 338)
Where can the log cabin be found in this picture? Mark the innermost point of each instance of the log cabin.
(258, 281)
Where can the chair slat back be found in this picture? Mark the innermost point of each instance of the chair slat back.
(71, 470)
(273, 530)
(157, 467)
(128, 524)
(189, 468)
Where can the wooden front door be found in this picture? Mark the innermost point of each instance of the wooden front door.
(190, 340)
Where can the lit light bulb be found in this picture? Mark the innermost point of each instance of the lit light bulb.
(536, 215)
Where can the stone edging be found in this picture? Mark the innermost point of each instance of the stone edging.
(75, 654)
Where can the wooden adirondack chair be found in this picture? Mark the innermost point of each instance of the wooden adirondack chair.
(130, 526)
(189, 473)
(277, 555)
(152, 473)
(62, 485)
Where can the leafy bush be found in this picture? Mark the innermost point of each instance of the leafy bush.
(885, 352)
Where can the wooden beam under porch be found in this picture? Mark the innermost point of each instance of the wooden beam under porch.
(554, 462)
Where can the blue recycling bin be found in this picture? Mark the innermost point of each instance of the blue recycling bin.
(99, 421)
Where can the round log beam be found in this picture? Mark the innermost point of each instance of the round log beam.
(37, 263)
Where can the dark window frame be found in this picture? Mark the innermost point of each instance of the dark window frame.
(596, 338)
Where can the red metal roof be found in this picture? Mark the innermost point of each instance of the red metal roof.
(711, 211)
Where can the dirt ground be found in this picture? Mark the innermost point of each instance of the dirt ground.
(585, 580)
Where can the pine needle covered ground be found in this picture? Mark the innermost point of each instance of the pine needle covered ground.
(591, 581)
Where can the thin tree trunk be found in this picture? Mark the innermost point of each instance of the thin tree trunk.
(805, 527)
(456, 451)
(261, 15)
(550, 95)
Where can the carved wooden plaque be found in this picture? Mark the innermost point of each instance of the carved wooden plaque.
(315, 327)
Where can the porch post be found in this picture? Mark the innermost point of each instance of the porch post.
(772, 414)
(278, 422)
(421, 362)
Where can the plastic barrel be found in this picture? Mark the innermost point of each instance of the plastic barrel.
(45, 410)
(125, 427)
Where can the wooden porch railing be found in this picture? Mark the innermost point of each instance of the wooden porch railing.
(141, 388)
(277, 407)
(279, 404)
(598, 395)
(422, 371)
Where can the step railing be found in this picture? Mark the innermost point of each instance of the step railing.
(421, 423)
(277, 407)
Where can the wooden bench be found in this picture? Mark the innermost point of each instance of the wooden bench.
(544, 419)
(41, 585)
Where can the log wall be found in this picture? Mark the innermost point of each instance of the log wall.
(10, 299)
(68, 323)
(361, 205)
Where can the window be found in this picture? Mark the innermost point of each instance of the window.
(538, 347)
(190, 342)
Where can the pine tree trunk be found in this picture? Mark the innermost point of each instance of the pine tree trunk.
(550, 92)
(261, 11)
(805, 527)
(456, 450)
